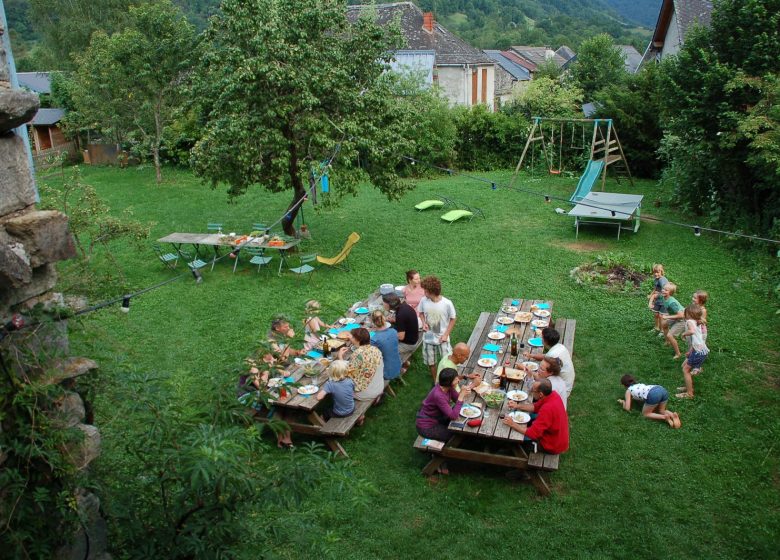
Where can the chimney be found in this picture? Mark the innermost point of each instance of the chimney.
(428, 21)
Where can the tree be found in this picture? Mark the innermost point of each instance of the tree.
(129, 83)
(545, 97)
(599, 63)
(287, 84)
(67, 26)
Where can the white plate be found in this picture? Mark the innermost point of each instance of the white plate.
(274, 382)
(531, 366)
(308, 390)
(542, 313)
(519, 416)
(509, 309)
(495, 335)
(470, 412)
(540, 323)
(487, 362)
(517, 396)
(505, 320)
(346, 320)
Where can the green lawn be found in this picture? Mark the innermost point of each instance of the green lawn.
(626, 488)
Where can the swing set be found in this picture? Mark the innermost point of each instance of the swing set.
(605, 147)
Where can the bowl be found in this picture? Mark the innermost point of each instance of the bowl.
(399, 291)
(494, 398)
(385, 289)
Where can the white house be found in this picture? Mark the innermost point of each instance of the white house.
(675, 19)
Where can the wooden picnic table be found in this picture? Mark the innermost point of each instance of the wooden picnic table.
(305, 411)
(217, 240)
(503, 444)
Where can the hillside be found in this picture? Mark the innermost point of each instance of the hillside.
(484, 23)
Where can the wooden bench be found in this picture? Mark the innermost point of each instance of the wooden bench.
(537, 462)
(342, 426)
(566, 328)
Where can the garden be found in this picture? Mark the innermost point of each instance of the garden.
(707, 490)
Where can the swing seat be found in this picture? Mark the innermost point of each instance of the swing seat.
(428, 204)
(555, 171)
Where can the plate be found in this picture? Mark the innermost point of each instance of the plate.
(495, 335)
(469, 411)
(542, 313)
(517, 396)
(540, 323)
(343, 335)
(505, 320)
(536, 342)
(509, 309)
(346, 321)
(308, 390)
(487, 362)
(531, 366)
(523, 316)
(361, 310)
(274, 382)
(519, 416)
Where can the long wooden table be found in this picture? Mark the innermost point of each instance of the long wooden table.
(216, 240)
(305, 412)
(503, 444)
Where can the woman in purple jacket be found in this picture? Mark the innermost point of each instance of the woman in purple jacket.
(440, 406)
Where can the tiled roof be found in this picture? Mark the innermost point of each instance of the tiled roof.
(691, 12)
(39, 82)
(565, 52)
(48, 117)
(632, 58)
(450, 49)
(530, 66)
(538, 55)
(514, 69)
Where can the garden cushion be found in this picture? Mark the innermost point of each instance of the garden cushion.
(427, 204)
(454, 215)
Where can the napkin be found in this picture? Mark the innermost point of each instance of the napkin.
(491, 347)
(515, 302)
(351, 326)
(502, 328)
(314, 354)
(543, 305)
(535, 342)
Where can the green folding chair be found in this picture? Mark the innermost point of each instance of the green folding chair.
(305, 268)
(214, 227)
(261, 227)
(257, 257)
(166, 258)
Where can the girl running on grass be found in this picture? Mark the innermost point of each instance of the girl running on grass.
(697, 349)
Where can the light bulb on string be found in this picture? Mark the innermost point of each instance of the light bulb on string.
(125, 304)
(547, 198)
(697, 231)
(196, 274)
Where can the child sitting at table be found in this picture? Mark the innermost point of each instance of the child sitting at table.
(341, 388)
(312, 325)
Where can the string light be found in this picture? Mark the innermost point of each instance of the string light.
(547, 198)
(613, 213)
(493, 186)
(125, 304)
(697, 231)
(196, 274)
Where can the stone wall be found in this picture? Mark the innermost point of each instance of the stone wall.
(31, 242)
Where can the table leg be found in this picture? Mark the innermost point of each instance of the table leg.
(282, 260)
(619, 228)
(577, 227)
(432, 465)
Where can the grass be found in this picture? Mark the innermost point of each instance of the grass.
(627, 487)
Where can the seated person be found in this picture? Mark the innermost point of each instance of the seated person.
(249, 387)
(550, 425)
(280, 337)
(442, 404)
(550, 369)
(365, 366)
(312, 325)
(551, 339)
(341, 388)
(386, 339)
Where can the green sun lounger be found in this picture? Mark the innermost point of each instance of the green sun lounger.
(455, 215)
(441, 202)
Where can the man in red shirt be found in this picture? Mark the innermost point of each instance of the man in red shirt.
(550, 428)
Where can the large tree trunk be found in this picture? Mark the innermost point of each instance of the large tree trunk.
(288, 222)
(157, 142)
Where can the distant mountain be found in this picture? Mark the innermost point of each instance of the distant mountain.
(644, 12)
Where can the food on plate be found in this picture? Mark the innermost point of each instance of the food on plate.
(487, 362)
(530, 366)
(504, 320)
(308, 390)
(517, 396)
(542, 313)
(523, 316)
(509, 309)
(470, 411)
(540, 323)
(343, 335)
(495, 335)
(519, 416)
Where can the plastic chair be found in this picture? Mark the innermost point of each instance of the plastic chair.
(214, 227)
(258, 257)
(166, 258)
(261, 227)
(305, 266)
(340, 260)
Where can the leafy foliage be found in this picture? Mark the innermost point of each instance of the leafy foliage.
(721, 138)
(599, 64)
(128, 84)
(486, 140)
(545, 97)
(323, 96)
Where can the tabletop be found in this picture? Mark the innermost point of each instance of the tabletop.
(602, 205)
(492, 426)
(222, 240)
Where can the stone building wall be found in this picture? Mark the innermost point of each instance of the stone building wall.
(31, 242)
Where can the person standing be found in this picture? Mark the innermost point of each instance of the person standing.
(437, 314)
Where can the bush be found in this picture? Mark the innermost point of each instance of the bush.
(487, 140)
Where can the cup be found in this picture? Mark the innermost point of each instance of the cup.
(495, 382)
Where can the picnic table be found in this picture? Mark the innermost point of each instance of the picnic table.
(217, 240)
(499, 445)
(305, 411)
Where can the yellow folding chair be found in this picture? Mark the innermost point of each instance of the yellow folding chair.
(340, 260)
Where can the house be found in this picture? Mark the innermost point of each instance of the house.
(510, 76)
(465, 74)
(415, 63)
(539, 55)
(566, 53)
(632, 58)
(675, 19)
(44, 129)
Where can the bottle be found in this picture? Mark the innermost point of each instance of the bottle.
(325, 347)
(513, 346)
(504, 381)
